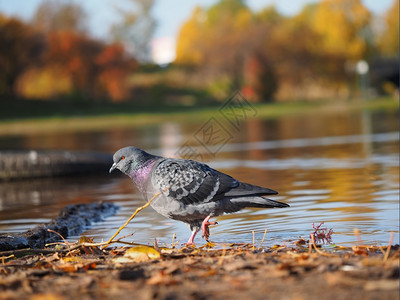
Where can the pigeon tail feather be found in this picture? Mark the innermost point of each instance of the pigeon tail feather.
(257, 201)
(246, 189)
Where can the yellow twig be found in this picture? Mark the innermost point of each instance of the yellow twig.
(357, 234)
(262, 241)
(388, 248)
(382, 250)
(222, 257)
(130, 219)
(173, 244)
(86, 244)
(3, 258)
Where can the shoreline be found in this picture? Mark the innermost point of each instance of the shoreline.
(87, 122)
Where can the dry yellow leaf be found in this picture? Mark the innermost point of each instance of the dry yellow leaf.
(142, 253)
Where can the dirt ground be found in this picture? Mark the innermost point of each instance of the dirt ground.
(231, 272)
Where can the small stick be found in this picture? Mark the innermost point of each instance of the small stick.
(65, 242)
(357, 233)
(316, 248)
(3, 258)
(126, 243)
(388, 248)
(262, 241)
(55, 243)
(173, 240)
(156, 246)
(222, 257)
(27, 251)
(253, 241)
(131, 217)
(96, 244)
(104, 243)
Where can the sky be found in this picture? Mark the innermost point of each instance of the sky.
(170, 14)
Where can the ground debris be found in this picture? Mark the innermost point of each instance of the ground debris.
(234, 272)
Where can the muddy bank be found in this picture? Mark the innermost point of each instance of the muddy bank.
(33, 164)
(72, 220)
(194, 273)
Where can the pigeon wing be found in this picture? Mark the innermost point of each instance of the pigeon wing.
(191, 182)
(247, 189)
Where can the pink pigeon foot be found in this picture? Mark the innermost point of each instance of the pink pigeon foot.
(204, 227)
(191, 239)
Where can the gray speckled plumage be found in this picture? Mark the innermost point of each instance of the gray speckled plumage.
(190, 191)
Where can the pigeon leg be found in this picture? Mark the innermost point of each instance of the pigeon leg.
(204, 227)
(191, 239)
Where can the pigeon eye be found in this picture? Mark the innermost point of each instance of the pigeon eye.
(122, 157)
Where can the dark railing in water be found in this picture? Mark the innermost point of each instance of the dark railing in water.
(34, 164)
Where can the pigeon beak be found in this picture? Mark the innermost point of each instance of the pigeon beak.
(112, 167)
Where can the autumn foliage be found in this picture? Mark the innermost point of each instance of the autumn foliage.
(54, 64)
(310, 55)
(220, 49)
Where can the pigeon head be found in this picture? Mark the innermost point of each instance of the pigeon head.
(130, 159)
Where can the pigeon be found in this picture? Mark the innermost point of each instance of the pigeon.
(187, 190)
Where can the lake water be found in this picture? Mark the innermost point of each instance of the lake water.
(340, 168)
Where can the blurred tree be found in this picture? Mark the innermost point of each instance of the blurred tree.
(136, 28)
(260, 82)
(74, 53)
(20, 47)
(388, 42)
(215, 40)
(60, 59)
(269, 15)
(268, 54)
(97, 70)
(189, 48)
(44, 83)
(225, 9)
(57, 16)
(293, 53)
(343, 26)
(115, 65)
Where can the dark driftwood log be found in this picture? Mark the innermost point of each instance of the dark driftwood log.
(33, 164)
(72, 220)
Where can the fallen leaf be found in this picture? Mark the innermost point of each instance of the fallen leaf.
(72, 259)
(47, 296)
(141, 253)
(301, 242)
(161, 278)
(51, 258)
(208, 245)
(69, 267)
(382, 285)
(360, 250)
(208, 273)
(165, 250)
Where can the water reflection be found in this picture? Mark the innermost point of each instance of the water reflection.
(337, 168)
